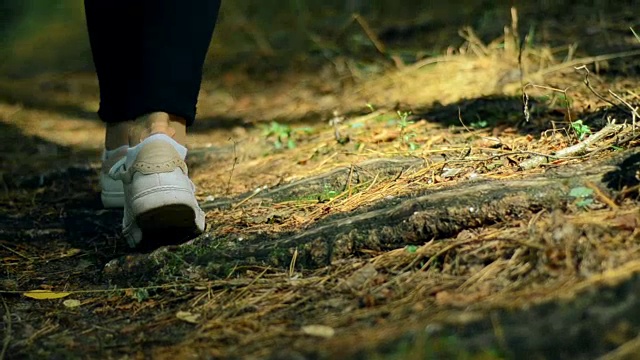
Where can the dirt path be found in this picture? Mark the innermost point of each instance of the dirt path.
(411, 215)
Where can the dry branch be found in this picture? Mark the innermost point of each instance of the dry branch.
(575, 150)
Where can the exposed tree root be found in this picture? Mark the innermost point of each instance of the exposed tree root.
(338, 178)
(392, 223)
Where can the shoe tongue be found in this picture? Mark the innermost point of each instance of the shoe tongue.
(132, 153)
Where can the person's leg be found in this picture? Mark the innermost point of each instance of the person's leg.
(172, 39)
(149, 56)
(176, 36)
(114, 38)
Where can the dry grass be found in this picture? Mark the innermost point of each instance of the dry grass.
(375, 296)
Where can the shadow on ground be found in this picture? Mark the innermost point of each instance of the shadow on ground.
(52, 202)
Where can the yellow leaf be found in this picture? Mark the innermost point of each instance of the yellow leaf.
(45, 294)
(70, 252)
(188, 316)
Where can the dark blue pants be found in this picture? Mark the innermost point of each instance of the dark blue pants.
(149, 54)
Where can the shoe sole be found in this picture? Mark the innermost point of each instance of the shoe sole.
(167, 216)
(167, 225)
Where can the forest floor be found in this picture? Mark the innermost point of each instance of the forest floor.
(427, 211)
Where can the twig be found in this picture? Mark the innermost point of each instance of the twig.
(474, 41)
(435, 257)
(575, 149)
(635, 34)
(634, 113)
(603, 197)
(431, 258)
(17, 252)
(563, 92)
(7, 335)
(623, 101)
(246, 288)
(194, 284)
(425, 62)
(235, 162)
(525, 96)
(259, 190)
(349, 180)
(370, 33)
(462, 122)
(292, 265)
(514, 23)
(511, 153)
(588, 84)
(628, 190)
(372, 182)
(582, 61)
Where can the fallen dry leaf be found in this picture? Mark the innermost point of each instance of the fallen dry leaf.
(45, 294)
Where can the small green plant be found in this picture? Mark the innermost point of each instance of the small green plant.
(583, 196)
(403, 119)
(406, 137)
(327, 194)
(581, 129)
(280, 134)
(480, 124)
(141, 294)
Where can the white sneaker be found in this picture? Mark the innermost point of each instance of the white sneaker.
(112, 192)
(160, 204)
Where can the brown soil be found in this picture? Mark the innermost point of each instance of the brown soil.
(425, 212)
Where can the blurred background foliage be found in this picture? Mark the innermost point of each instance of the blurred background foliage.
(39, 36)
